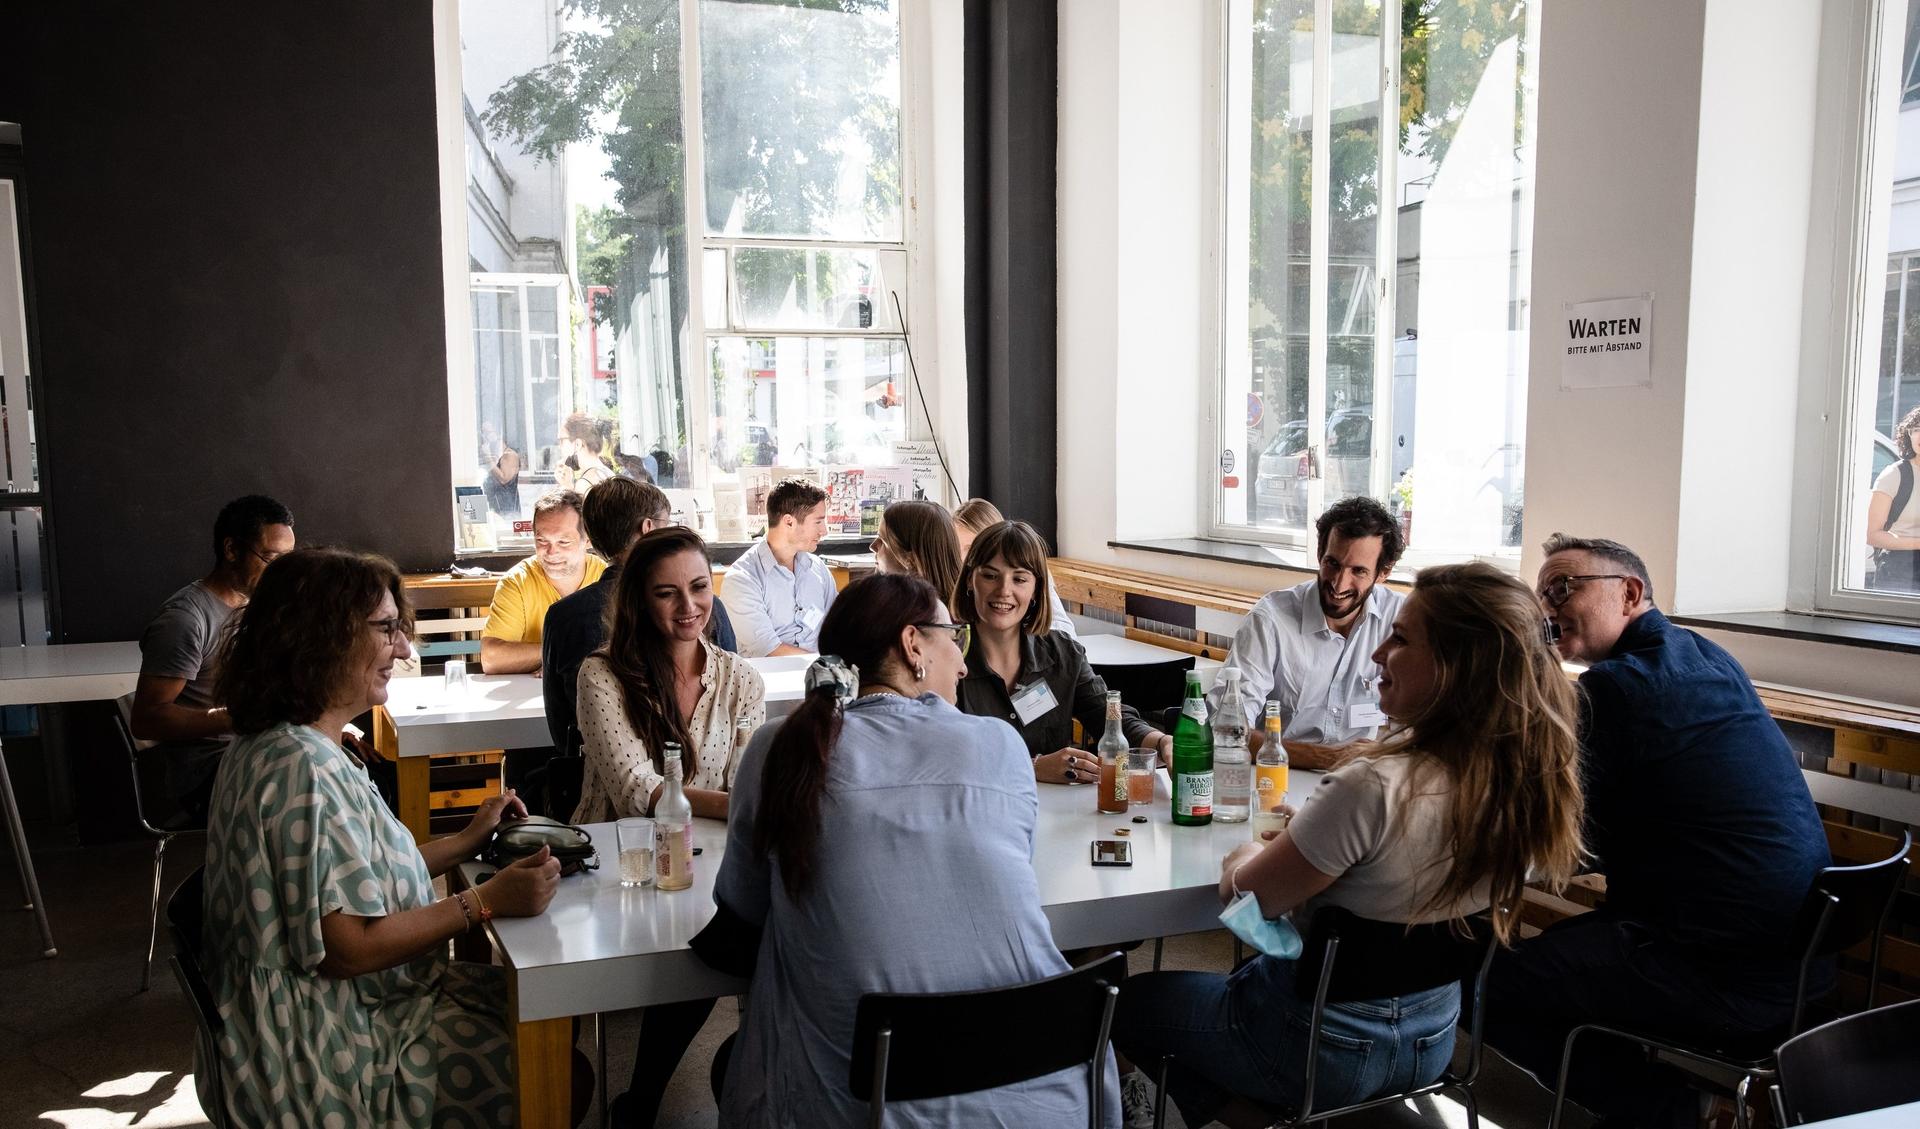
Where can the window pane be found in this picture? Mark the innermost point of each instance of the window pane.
(806, 401)
(801, 113)
(1465, 172)
(795, 288)
(1268, 236)
(576, 228)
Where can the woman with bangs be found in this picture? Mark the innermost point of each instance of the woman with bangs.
(1473, 789)
(1039, 680)
(325, 948)
(918, 539)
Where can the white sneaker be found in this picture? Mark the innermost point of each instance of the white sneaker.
(1136, 1101)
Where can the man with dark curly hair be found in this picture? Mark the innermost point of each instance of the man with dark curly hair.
(1310, 647)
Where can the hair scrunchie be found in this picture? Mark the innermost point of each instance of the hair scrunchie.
(831, 672)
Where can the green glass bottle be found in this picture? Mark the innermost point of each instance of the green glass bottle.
(1193, 759)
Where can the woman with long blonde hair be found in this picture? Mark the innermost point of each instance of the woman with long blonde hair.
(1472, 791)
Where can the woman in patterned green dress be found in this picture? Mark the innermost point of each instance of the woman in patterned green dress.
(325, 947)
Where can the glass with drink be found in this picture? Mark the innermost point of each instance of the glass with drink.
(635, 839)
(1140, 772)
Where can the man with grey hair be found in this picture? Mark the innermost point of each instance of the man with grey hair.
(1698, 815)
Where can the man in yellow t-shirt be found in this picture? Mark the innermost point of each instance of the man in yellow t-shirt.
(560, 566)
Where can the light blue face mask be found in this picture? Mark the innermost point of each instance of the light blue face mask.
(1276, 938)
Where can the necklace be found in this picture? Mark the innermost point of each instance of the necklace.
(872, 688)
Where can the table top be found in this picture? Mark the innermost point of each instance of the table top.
(1118, 650)
(508, 711)
(1888, 1118)
(602, 947)
(67, 672)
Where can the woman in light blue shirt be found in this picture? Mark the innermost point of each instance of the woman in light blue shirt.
(884, 841)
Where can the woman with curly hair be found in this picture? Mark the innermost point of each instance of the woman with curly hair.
(325, 947)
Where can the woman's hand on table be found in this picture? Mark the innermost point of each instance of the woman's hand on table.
(524, 888)
(1066, 766)
(492, 812)
(1235, 859)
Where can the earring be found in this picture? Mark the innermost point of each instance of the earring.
(920, 673)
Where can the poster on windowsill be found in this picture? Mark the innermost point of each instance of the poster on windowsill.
(922, 458)
(1609, 344)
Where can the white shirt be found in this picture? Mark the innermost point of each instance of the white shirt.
(1062, 622)
(771, 604)
(1906, 523)
(1322, 679)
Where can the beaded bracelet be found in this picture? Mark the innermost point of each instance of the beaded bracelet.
(464, 911)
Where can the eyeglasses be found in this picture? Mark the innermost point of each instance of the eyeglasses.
(962, 633)
(1560, 589)
(266, 558)
(394, 628)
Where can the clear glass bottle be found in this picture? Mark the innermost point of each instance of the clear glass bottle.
(742, 735)
(673, 828)
(1232, 766)
(1113, 760)
(1270, 774)
(1193, 759)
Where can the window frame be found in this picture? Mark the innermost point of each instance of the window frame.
(1222, 119)
(699, 336)
(1861, 51)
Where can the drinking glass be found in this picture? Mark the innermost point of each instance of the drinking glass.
(1141, 764)
(456, 675)
(635, 838)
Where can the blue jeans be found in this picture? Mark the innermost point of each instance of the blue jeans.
(1246, 1034)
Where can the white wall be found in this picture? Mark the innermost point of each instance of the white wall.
(1752, 194)
(1627, 142)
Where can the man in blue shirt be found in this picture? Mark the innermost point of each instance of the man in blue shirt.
(780, 591)
(1698, 815)
(617, 513)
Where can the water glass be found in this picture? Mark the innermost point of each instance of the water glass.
(635, 840)
(456, 675)
(1141, 764)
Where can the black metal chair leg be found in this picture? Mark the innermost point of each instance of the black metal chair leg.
(153, 911)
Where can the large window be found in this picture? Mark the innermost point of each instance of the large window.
(1875, 547)
(1374, 268)
(687, 221)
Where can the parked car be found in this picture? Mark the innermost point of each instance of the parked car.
(1280, 478)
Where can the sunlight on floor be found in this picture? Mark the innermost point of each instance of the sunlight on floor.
(1452, 1114)
(178, 1110)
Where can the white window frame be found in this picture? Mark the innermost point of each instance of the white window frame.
(699, 335)
(1223, 19)
(1860, 53)
(916, 104)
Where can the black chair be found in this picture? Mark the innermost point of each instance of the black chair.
(183, 923)
(933, 1045)
(553, 789)
(162, 836)
(1851, 1065)
(1348, 958)
(1846, 905)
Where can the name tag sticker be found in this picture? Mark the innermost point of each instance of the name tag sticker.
(1365, 715)
(810, 618)
(1034, 701)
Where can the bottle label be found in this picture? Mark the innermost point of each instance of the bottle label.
(1193, 793)
(673, 852)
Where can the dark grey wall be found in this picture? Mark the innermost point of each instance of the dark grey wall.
(236, 231)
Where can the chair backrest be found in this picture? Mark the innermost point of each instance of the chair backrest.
(184, 915)
(1860, 898)
(1381, 959)
(945, 1043)
(1854, 1064)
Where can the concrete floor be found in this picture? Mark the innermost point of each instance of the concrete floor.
(88, 1050)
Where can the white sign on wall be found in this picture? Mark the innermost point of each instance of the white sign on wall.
(1609, 344)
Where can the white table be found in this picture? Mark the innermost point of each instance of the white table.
(501, 711)
(602, 948)
(67, 672)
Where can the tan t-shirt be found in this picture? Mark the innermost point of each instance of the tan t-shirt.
(621, 772)
(1906, 523)
(1386, 862)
